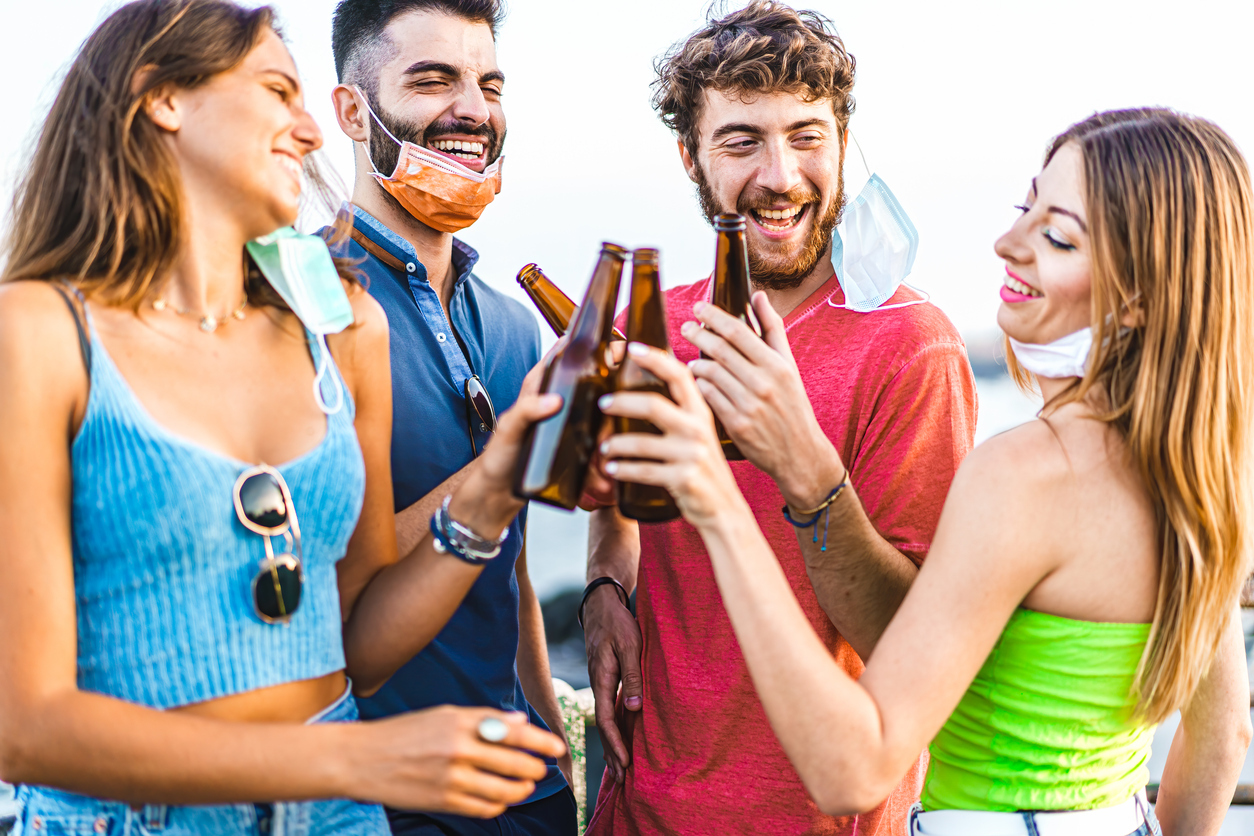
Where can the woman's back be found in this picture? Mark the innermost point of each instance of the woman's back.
(1082, 510)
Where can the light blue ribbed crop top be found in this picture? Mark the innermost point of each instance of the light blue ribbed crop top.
(163, 568)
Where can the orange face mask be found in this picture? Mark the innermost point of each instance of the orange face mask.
(438, 191)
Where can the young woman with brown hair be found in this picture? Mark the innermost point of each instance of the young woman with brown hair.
(1083, 581)
(175, 608)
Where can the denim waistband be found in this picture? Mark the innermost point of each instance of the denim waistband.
(343, 710)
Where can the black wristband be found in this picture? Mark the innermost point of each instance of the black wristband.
(601, 581)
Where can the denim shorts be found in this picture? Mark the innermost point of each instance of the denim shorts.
(43, 811)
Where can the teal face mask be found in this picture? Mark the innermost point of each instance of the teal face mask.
(300, 269)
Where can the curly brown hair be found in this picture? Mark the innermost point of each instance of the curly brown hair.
(766, 47)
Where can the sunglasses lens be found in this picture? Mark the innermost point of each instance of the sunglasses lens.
(477, 396)
(276, 591)
(262, 500)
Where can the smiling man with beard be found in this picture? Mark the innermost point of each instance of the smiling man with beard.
(847, 395)
(420, 96)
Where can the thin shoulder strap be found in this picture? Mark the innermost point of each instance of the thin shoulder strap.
(84, 343)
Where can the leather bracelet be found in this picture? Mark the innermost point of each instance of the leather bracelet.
(602, 581)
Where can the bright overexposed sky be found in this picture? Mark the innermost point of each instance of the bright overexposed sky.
(955, 103)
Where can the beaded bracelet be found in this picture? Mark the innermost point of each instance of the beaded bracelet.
(824, 508)
(451, 537)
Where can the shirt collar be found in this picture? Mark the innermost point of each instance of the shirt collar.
(465, 257)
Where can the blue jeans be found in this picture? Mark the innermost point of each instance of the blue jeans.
(43, 811)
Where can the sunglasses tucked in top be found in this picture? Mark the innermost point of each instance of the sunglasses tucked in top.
(164, 567)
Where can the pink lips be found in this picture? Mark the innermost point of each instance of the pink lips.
(1008, 295)
(1013, 296)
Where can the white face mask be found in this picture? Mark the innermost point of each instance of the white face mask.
(1064, 357)
(879, 244)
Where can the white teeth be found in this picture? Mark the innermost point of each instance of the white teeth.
(1019, 287)
(469, 150)
(291, 165)
(778, 214)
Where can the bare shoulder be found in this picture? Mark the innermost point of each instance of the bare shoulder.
(41, 364)
(361, 350)
(37, 330)
(367, 335)
(367, 311)
(1012, 480)
(1030, 457)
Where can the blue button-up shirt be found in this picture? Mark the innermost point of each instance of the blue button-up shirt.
(472, 660)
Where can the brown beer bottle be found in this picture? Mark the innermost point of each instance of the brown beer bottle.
(555, 306)
(646, 323)
(556, 451)
(730, 291)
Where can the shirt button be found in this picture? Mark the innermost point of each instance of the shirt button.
(411, 267)
(101, 826)
(440, 338)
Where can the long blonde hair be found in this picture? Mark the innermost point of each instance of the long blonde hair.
(1169, 208)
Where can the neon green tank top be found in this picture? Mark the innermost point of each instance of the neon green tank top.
(1047, 724)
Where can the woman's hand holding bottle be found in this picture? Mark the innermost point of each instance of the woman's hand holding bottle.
(686, 458)
(485, 502)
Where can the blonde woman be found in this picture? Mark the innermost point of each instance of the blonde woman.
(1083, 581)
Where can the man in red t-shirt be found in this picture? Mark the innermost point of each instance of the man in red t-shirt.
(760, 101)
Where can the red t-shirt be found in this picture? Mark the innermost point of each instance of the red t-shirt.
(893, 391)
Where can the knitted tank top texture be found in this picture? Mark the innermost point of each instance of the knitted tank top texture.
(163, 568)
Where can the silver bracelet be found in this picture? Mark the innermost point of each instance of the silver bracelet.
(451, 537)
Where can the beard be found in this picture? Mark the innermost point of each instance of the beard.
(384, 153)
(775, 272)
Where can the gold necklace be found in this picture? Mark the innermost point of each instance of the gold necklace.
(208, 322)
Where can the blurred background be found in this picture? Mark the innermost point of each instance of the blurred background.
(955, 104)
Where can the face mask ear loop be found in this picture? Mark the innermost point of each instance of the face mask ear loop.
(324, 365)
(374, 116)
(860, 154)
(927, 297)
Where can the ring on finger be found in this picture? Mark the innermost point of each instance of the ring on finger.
(492, 730)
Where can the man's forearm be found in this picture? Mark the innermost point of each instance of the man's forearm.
(613, 547)
(860, 580)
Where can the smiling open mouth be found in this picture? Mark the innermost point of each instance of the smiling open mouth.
(1021, 287)
(779, 220)
(292, 165)
(458, 149)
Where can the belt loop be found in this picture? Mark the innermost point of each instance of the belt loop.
(155, 816)
(1029, 819)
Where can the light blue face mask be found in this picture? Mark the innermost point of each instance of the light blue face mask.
(875, 245)
(300, 269)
